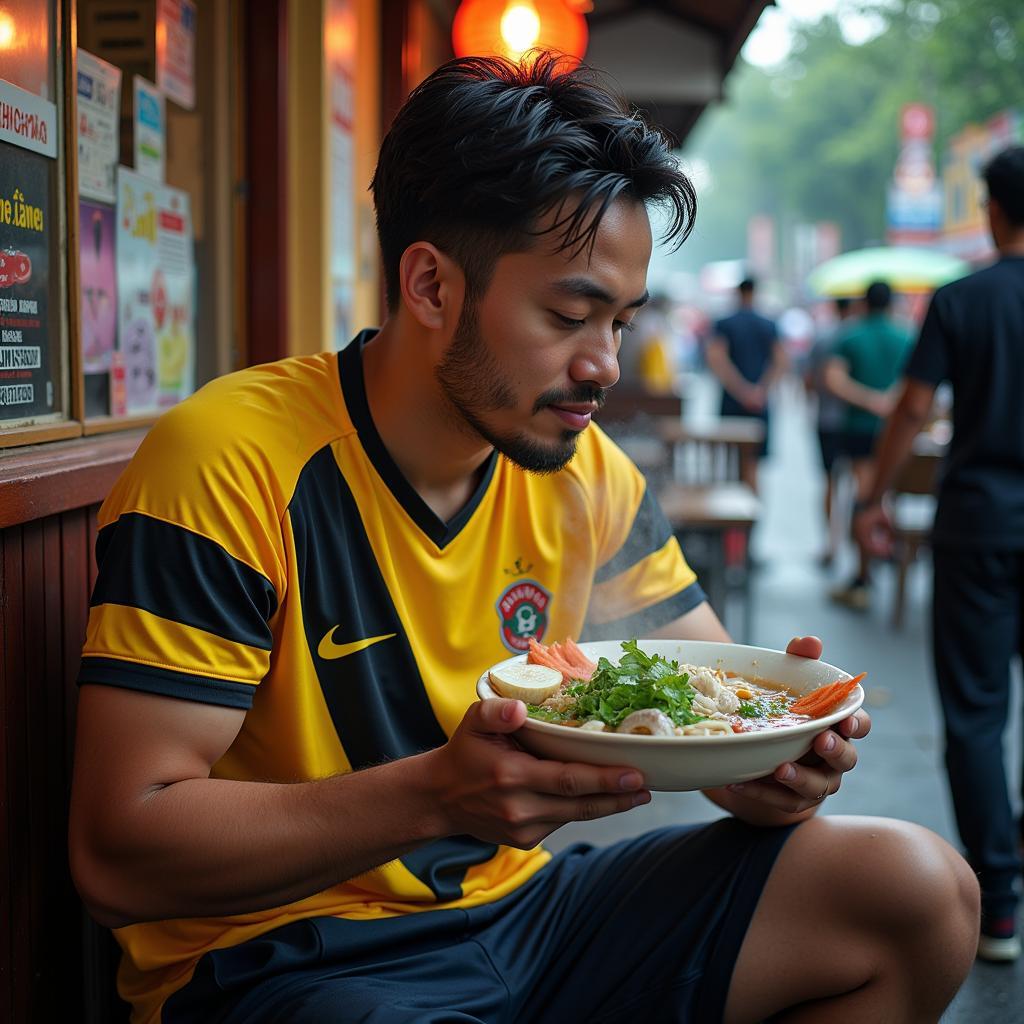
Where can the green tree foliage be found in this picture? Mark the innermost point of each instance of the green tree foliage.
(817, 137)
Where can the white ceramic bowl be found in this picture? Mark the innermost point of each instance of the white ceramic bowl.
(694, 762)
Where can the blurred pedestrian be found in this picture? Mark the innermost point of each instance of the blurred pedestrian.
(649, 357)
(831, 412)
(865, 365)
(973, 337)
(747, 356)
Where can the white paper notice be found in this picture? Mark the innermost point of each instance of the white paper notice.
(99, 108)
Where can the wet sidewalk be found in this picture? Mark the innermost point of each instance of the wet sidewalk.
(900, 774)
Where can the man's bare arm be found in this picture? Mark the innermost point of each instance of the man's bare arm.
(842, 385)
(153, 836)
(903, 425)
(777, 367)
(717, 357)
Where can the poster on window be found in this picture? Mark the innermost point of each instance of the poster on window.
(99, 111)
(155, 285)
(27, 335)
(98, 276)
(176, 51)
(149, 129)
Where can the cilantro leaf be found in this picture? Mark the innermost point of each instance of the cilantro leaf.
(638, 681)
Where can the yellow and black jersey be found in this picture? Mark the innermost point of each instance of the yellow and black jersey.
(263, 551)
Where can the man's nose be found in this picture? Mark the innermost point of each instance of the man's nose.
(598, 363)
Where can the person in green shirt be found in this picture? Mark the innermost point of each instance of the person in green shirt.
(865, 366)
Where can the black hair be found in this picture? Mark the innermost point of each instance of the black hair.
(878, 296)
(746, 286)
(842, 303)
(483, 148)
(1004, 177)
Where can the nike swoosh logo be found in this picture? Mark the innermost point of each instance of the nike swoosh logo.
(328, 649)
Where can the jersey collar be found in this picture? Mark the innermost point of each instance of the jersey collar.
(353, 389)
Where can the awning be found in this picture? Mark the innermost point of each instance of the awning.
(670, 57)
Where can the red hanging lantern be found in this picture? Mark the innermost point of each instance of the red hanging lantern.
(511, 28)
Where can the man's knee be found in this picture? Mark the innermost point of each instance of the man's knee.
(907, 892)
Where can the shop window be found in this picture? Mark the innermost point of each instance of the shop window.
(138, 176)
(146, 243)
(33, 324)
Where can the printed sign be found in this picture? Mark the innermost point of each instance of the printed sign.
(155, 285)
(27, 120)
(27, 336)
(150, 129)
(99, 108)
(176, 51)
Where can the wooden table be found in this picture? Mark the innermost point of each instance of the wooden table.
(709, 452)
(704, 517)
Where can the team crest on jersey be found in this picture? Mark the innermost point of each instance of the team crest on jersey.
(523, 611)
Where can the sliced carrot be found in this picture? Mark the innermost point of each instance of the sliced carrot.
(541, 655)
(564, 657)
(578, 658)
(826, 698)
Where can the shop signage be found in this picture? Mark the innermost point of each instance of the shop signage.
(27, 120)
(26, 331)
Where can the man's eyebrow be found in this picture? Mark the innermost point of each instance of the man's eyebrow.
(587, 289)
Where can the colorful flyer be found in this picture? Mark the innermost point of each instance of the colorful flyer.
(176, 51)
(173, 297)
(155, 287)
(98, 274)
(150, 129)
(28, 333)
(99, 111)
(137, 199)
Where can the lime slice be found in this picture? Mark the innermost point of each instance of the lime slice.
(530, 683)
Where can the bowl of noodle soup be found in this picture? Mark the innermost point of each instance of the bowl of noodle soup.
(692, 757)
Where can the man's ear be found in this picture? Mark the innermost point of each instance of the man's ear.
(433, 286)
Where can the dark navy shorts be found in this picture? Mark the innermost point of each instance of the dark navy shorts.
(646, 930)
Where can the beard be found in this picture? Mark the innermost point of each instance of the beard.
(474, 385)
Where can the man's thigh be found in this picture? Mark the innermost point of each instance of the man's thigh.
(648, 929)
(415, 969)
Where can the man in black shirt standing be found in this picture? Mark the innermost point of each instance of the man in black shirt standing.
(747, 357)
(973, 336)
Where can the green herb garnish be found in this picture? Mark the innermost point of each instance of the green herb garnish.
(762, 707)
(638, 681)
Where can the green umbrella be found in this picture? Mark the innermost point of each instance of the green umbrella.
(903, 268)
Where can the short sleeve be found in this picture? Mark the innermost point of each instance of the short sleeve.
(842, 345)
(929, 360)
(642, 580)
(189, 569)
